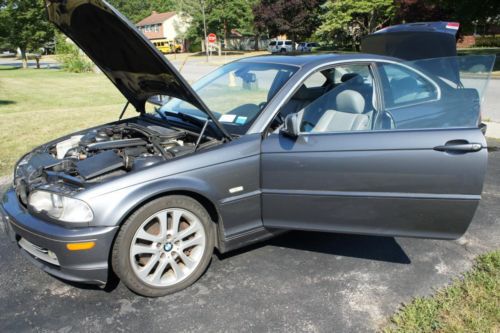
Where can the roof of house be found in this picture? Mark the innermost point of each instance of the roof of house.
(156, 18)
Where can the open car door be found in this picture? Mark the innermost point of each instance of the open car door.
(397, 154)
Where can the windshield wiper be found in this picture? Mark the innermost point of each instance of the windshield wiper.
(187, 117)
(162, 116)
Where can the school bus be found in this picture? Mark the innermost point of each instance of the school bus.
(167, 46)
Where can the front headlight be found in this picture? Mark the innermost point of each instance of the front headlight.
(60, 207)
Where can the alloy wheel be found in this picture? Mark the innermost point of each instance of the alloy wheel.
(167, 247)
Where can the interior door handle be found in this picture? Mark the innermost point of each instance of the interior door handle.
(460, 148)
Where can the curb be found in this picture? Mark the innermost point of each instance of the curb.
(493, 130)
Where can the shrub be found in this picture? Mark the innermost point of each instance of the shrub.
(71, 57)
(488, 41)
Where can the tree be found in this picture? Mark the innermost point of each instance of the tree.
(467, 12)
(294, 18)
(27, 27)
(408, 11)
(136, 10)
(225, 15)
(217, 16)
(354, 18)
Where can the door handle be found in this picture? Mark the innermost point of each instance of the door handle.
(460, 148)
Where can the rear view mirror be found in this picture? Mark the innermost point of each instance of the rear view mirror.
(291, 126)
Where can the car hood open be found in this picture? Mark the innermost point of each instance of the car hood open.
(123, 53)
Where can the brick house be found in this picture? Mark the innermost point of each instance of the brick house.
(161, 26)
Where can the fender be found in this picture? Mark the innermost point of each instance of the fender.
(129, 199)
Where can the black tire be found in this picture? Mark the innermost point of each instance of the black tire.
(120, 259)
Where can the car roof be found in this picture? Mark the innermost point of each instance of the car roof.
(314, 59)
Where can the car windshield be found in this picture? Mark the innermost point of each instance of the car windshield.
(235, 93)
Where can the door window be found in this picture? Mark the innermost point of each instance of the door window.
(345, 105)
(405, 86)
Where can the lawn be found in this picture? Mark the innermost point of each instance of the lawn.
(39, 105)
(470, 304)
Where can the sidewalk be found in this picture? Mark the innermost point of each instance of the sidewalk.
(493, 130)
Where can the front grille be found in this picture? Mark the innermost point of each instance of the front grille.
(39, 252)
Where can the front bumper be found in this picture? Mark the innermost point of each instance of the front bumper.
(44, 244)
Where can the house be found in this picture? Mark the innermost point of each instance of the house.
(245, 41)
(169, 26)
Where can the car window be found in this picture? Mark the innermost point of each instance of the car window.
(345, 106)
(272, 43)
(236, 93)
(315, 80)
(288, 43)
(404, 86)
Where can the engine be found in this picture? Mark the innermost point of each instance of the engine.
(117, 149)
(105, 152)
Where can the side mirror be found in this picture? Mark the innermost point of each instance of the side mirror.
(291, 127)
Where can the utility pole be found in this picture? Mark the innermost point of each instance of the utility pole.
(204, 26)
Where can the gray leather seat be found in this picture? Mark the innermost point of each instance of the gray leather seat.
(348, 116)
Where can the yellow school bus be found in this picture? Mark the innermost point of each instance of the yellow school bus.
(167, 46)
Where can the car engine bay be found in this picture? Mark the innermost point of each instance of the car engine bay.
(108, 151)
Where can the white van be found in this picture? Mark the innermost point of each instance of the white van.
(280, 46)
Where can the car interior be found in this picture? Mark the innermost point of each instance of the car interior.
(336, 100)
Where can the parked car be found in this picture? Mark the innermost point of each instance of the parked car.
(358, 143)
(306, 47)
(280, 46)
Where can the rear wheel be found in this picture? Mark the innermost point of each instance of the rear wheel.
(164, 247)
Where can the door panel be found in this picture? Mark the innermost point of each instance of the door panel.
(384, 183)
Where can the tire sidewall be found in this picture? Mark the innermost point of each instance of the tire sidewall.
(121, 249)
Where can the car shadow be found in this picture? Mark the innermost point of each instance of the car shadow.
(356, 246)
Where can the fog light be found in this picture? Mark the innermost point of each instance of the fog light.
(52, 255)
(80, 246)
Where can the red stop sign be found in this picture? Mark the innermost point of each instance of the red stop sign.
(212, 38)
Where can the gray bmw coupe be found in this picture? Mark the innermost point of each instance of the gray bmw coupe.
(360, 143)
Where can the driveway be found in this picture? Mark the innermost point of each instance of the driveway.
(311, 282)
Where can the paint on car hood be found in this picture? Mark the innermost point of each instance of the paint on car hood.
(122, 52)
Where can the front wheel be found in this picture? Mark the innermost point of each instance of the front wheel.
(164, 246)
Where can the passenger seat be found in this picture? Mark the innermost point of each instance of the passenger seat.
(348, 116)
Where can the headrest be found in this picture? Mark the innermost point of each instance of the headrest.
(302, 93)
(352, 78)
(350, 101)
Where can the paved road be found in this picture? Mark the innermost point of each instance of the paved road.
(491, 106)
(310, 282)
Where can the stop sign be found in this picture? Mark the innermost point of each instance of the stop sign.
(212, 38)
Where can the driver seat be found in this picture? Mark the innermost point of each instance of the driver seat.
(348, 116)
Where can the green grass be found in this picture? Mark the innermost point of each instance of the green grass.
(39, 105)
(470, 304)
